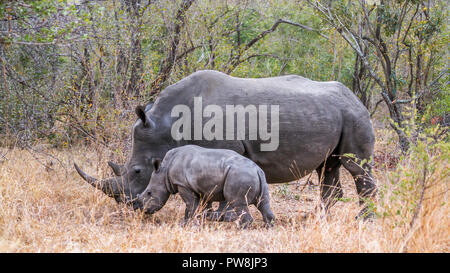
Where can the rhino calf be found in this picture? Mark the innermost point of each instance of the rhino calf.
(203, 175)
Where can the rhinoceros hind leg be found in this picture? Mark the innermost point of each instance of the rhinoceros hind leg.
(360, 167)
(330, 186)
(365, 185)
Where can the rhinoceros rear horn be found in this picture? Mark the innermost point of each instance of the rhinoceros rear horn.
(118, 170)
(146, 121)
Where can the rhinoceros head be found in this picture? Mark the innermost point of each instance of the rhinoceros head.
(149, 142)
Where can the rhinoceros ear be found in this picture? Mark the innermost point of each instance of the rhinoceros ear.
(156, 162)
(140, 112)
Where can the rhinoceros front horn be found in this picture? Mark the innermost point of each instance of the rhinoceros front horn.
(108, 186)
(91, 180)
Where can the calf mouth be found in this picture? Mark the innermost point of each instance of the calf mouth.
(150, 209)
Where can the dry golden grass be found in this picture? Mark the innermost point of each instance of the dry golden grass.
(46, 207)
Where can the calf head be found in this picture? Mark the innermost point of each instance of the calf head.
(158, 190)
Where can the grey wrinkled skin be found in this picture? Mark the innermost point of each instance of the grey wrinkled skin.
(203, 175)
(319, 122)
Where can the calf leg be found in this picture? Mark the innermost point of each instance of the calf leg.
(266, 212)
(223, 213)
(191, 200)
(209, 214)
(263, 205)
(245, 219)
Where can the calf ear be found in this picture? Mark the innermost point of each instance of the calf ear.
(140, 112)
(156, 162)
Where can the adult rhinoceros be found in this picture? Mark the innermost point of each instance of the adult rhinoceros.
(319, 123)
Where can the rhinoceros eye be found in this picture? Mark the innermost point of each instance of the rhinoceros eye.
(137, 170)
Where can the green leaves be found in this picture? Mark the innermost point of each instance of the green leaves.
(41, 21)
(56, 47)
